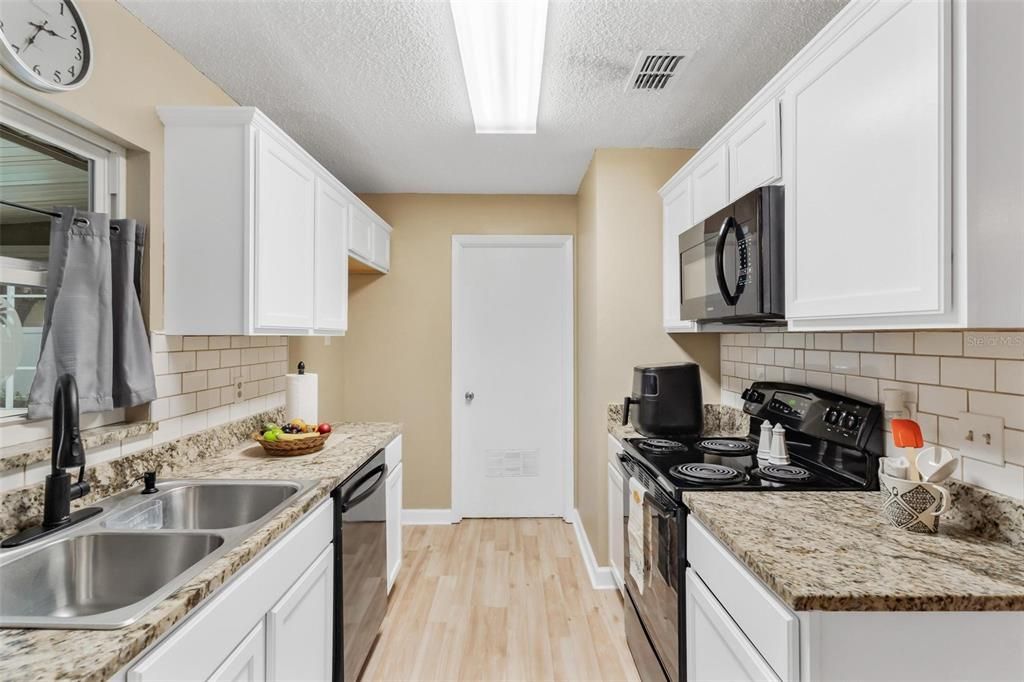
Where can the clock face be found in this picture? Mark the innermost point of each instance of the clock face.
(45, 43)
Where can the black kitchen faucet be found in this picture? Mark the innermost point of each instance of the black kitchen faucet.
(66, 452)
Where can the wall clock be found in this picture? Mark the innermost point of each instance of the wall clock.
(45, 43)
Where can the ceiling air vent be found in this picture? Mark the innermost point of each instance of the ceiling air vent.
(655, 70)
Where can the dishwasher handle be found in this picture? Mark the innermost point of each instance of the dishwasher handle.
(348, 501)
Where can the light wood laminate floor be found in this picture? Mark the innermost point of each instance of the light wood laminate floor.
(499, 599)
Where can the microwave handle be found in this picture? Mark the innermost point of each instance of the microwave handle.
(723, 286)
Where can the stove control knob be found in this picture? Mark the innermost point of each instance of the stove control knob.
(850, 421)
(746, 394)
(755, 396)
(831, 415)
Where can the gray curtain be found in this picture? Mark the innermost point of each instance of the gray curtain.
(92, 326)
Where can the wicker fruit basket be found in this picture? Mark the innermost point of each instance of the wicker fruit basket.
(292, 448)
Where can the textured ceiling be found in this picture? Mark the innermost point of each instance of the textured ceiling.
(374, 89)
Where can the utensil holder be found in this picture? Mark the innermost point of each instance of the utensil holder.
(913, 506)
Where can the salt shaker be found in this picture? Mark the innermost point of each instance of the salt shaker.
(778, 455)
(764, 445)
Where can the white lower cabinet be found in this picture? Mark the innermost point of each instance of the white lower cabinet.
(716, 648)
(738, 629)
(299, 633)
(393, 459)
(247, 663)
(273, 620)
(616, 513)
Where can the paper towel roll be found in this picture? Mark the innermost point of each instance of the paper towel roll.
(300, 398)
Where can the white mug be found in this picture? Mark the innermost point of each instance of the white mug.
(913, 505)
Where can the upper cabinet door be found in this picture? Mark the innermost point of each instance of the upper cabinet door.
(677, 217)
(284, 239)
(755, 152)
(381, 247)
(331, 254)
(867, 144)
(360, 235)
(711, 184)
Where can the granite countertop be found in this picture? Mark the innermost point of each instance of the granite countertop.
(99, 654)
(23, 454)
(833, 551)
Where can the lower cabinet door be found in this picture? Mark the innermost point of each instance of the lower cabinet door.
(247, 663)
(716, 648)
(299, 627)
(394, 524)
(616, 509)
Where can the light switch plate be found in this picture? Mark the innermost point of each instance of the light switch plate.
(236, 386)
(981, 437)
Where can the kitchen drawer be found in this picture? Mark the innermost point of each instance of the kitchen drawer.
(768, 623)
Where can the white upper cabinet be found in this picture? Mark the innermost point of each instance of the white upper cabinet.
(331, 253)
(868, 173)
(257, 233)
(755, 152)
(284, 246)
(370, 242)
(711, 184)
(677, 217)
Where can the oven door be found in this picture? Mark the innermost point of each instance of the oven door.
(653, 619)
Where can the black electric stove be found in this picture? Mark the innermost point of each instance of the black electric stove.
(834, 444)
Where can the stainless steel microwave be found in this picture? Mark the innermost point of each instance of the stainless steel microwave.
(731, 265)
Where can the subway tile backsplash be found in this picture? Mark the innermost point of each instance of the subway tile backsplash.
(943, 373)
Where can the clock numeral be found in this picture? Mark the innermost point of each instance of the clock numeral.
(62, 9)
(1, 24)
(17, 50)
(36, 70)
(56, 75)
(78, 54)
(74, 32)
(71, 71)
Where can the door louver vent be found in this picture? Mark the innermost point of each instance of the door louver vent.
(655, 70)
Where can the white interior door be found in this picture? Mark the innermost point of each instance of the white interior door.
(512, 376)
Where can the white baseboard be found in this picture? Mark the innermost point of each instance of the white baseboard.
(427, 517)
(600, 576)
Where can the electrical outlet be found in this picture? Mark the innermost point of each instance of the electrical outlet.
(981, 437)
(236, 386)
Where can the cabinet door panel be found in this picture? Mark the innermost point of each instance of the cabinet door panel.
(677, 217)
(248, 662)
(284, 237)
(394, 524)
(299, 627)
(615, 528)
(716, 648)
(331, 254)
(381, 247)
(755, 152)
(361, 234)
(711, 184)
(867, 143)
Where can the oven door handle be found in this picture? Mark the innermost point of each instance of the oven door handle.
(348, 502)
(723, 287)
(629, 467)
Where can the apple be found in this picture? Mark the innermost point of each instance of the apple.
(324, 428)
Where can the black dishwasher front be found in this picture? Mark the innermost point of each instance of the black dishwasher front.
(360, 566)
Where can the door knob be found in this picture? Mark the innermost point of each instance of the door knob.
(469, 396)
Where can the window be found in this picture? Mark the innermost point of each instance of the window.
(45, 161)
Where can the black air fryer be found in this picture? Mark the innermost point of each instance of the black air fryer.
(667, 400)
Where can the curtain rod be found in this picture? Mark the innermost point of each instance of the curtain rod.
(29, 208)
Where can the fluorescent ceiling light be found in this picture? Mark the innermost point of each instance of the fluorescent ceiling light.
(501, 43)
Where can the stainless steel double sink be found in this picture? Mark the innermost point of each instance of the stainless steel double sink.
(107, 572)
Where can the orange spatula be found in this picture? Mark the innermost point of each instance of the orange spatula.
(906, 434)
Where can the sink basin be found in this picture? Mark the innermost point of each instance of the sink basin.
(106, 572)
(86, 575)
(205, 506)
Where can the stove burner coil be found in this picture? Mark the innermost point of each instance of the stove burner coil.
(660, 445)
(701, 472)
(785, 473)
(725, 446)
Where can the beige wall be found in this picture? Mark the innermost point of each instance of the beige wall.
(619, 315)
(133, 73)
(395, 362)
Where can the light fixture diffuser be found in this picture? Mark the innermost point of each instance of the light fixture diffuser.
(501, 43)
